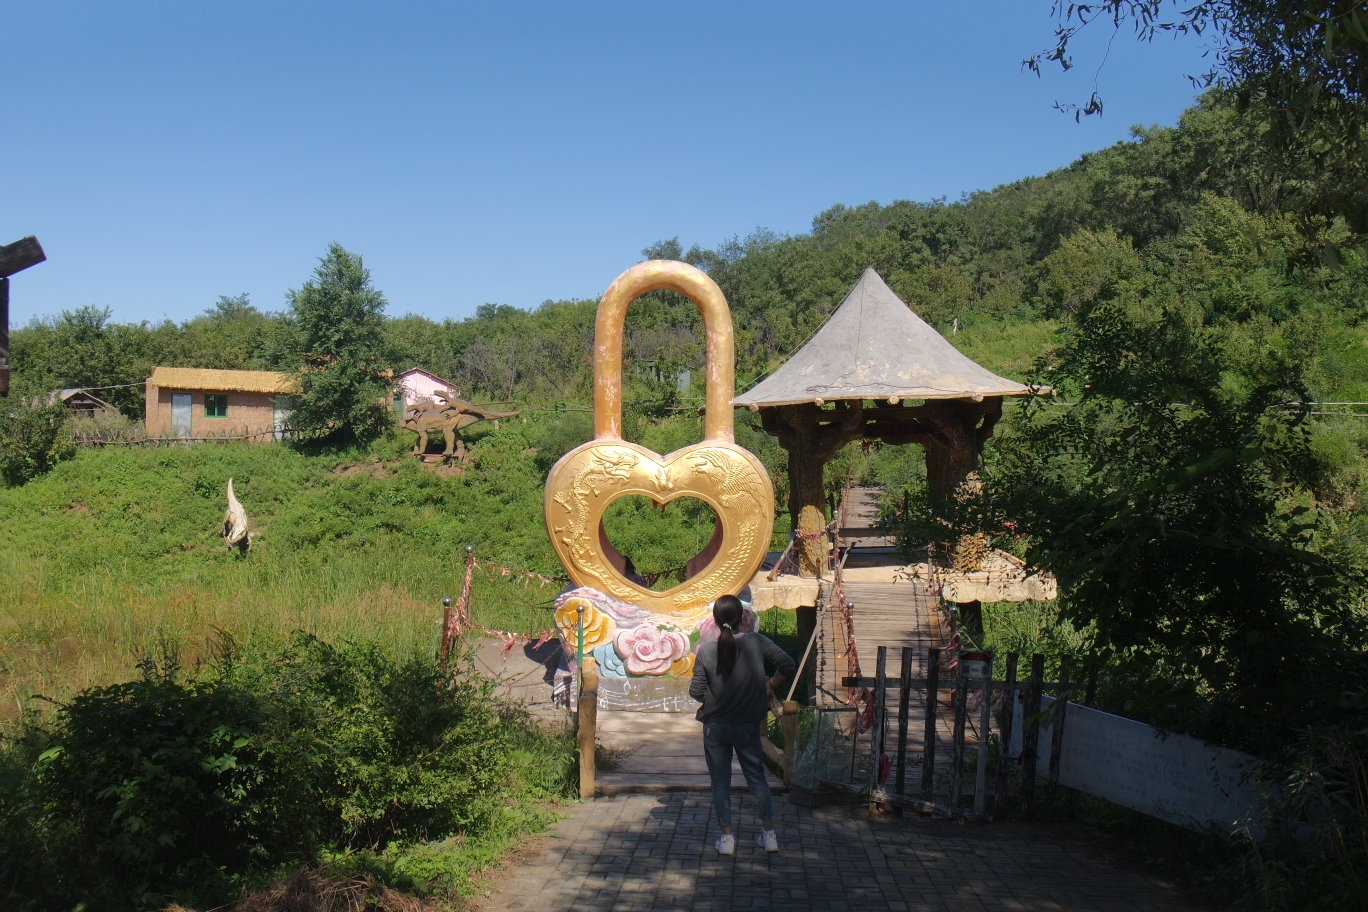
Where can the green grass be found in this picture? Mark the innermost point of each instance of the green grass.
(116, 554)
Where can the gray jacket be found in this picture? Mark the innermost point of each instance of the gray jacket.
(741, 697)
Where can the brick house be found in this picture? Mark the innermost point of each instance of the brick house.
(195, 402)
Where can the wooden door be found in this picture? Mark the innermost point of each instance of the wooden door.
(180, 414)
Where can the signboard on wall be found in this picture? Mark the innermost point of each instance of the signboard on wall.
(1173, 777)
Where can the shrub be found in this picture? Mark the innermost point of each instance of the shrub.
(167, 790)
(158, 786)
(33, 438)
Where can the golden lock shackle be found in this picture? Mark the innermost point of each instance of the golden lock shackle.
(694, 284)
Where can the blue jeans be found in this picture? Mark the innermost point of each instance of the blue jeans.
(719, 740)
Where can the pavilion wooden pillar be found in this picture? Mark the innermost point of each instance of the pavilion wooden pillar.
(955, 431)
(954, 444)
(812, 437)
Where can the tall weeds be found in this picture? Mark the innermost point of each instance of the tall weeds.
(1316, 856)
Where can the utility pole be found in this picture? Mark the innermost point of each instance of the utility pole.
(14, 258)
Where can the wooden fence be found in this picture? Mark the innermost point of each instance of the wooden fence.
(139, 439)
(960, 688)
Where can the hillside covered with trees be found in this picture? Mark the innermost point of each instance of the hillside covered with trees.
(1023, 253)
(1185, 293)
(1197, 484)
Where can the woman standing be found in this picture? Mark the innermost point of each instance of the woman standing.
(732, 678)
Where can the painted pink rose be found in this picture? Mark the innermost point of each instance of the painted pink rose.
(650, 650)
(707, 628)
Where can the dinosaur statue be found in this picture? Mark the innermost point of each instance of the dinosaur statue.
(235, 534)
(427, 418)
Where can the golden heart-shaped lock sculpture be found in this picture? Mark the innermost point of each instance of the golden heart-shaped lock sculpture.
(717, 471)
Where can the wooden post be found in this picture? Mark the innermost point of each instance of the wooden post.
(929, 737)
(957, 743)
(1057, 734)
(588, 723)
(4, 338)
(1005, 729)
(15, 257)
(805, 675)
(790, 723)
(985, 730)
(446, 632)
(904, 695)
(1031, 741)
(20, 255)
(1090, 697)
(880, 728)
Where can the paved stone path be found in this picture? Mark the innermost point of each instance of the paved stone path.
(653, 852)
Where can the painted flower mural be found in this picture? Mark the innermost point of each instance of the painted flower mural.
(599, 626)
(626, 640)
(609, 662)
(650, 650)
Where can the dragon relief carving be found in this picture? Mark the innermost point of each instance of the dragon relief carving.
(605, 469)
(721, 477)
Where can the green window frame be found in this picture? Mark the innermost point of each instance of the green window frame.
(216, 405)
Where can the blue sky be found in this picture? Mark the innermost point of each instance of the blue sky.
(168, 153)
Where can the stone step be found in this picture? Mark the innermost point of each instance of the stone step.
(663, 752)
(648, 722)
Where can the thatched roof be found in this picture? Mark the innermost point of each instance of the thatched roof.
(875, 347)
(228, 381)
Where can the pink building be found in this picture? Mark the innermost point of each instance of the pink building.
(416, 383)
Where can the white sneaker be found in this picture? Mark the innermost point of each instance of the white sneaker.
(767, 840)
(726, 844)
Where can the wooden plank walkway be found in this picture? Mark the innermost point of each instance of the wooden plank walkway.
(895, 615)
(886, 611)
(663, 752)
(862, 515)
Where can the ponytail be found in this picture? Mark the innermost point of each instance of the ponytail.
(727, 613)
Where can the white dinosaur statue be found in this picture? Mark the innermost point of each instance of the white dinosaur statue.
(235, 534)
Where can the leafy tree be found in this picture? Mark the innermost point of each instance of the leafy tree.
(339, 338)
(1308, 58)
(228, 336)
(1299, 67)
(33, 437)
(1179, 500)
(82, 348)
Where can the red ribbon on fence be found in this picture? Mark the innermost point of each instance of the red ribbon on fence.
(457, 620)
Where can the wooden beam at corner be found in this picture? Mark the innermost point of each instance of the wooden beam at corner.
(20, 255)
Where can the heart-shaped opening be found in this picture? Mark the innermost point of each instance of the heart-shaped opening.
(664, 544)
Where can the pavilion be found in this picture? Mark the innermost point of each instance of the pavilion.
(877, 371)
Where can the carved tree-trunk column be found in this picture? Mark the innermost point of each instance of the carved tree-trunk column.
(961, 428)
(810, 445)
(952, 460)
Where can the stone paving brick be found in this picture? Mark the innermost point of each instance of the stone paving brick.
(653, 853)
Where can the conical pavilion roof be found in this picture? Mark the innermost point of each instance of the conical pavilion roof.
(875, 347)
